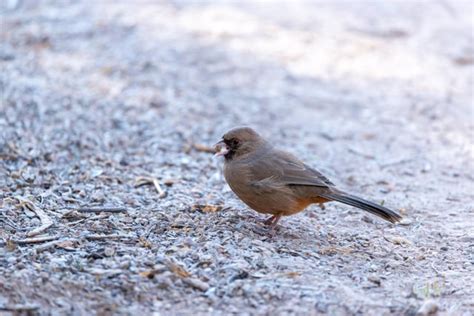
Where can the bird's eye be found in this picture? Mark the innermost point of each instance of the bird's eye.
(235, 142)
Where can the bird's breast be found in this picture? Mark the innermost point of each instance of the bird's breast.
(238, 178)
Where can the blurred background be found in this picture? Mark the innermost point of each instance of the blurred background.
(340, 68)
(94, 94)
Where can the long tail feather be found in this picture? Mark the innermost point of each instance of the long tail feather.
(365, 205)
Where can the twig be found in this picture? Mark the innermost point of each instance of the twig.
(46, 221)
(435, 270)
(327, 136)
(51, 244)
(93, 218)
(148, 180)
(204, 148)
(357, 152)
(196, 283)
(71, 200)
(102, 209)
(112, 236)
(72, 224)
(34, 240)
(394, 163)
(19, 308)
(104, 272)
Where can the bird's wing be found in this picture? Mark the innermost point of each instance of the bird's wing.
(268, 185)
(286, 169)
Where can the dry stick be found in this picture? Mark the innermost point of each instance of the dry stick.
(360, 153)
(46, 221)
(112, 236)
(196, 283)
(102, 209)
(158, 188)
(34, 240)
(104, 272)
(51, 244)
(204, 148)
(72, 224)
(436, 270)
(148, 180)
(394, 163)
(19, 308)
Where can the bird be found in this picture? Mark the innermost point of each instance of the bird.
(273, 181)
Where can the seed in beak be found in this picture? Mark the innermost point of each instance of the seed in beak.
(221, 149)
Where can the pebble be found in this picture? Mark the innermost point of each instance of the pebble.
(196, 283)
(429, 307)
(109, 251)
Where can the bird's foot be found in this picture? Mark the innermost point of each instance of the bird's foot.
(269, 220)
(271, 223)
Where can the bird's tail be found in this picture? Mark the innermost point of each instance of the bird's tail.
(365, 205)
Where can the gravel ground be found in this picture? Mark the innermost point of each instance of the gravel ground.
(101, 100)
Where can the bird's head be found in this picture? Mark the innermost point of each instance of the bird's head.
(238, 142)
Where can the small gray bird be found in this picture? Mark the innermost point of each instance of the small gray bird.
(275, 182)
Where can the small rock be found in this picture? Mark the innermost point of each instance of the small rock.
(374, 279)
(405, 221)
(367, 219)
(429, 307)
(373, 267)
(426, 168)
(196, 283)
(398, 240)
(109, 251)
(11, 260)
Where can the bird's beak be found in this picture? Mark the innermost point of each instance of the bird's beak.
(221, 149)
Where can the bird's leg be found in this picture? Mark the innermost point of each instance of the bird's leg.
(269, 221)
(276, 218)
(322, 206)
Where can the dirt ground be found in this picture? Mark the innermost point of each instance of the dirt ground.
(99, 98)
